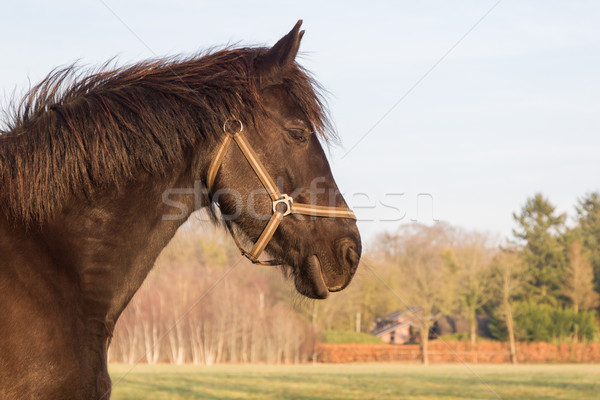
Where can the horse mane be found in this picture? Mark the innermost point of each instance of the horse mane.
(79, 130)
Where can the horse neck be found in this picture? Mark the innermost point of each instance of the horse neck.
(110, 243)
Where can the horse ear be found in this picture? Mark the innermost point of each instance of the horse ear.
(272, 64)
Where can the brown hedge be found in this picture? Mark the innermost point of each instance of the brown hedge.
(453, 351)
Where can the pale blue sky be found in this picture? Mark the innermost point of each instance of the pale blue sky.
(513, 109)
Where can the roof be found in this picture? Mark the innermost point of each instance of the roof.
(391, 327)
(411, 311)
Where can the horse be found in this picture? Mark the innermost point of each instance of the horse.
(90, 167)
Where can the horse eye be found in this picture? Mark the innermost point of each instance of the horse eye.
(298, 135)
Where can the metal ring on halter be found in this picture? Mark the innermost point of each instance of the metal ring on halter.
(226, 124)
(287, 200)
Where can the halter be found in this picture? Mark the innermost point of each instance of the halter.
(283, 205)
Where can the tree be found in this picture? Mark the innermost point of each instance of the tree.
(587, 230)
(509, 282)
(423, 280)
(471, 259)
(541, 322)
(541, 233)
(578, 284)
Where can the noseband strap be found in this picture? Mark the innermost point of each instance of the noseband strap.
(283, 204)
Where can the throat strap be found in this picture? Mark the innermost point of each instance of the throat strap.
(283, 204)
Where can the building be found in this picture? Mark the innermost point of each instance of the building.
(398, 327)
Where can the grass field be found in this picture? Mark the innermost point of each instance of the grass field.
(356, 381)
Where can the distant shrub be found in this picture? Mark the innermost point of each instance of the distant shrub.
(586, 323)
(497, 326)
(343, 337)
(548, 324)
(455, 337)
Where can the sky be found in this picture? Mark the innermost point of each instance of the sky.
(452, 111)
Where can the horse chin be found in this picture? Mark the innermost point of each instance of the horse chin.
(309, 279)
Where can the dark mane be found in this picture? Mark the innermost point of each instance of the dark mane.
(75, 132)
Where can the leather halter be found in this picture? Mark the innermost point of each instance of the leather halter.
(283, 204)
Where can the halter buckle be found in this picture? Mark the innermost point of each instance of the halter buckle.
(285, 199)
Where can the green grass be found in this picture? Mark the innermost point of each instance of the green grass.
(356, 381)
(349, 337)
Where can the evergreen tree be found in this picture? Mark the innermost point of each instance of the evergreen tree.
(588, 231)
(541, 233)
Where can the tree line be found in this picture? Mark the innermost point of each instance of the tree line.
(542, 284)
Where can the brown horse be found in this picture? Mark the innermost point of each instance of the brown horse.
(88, 168)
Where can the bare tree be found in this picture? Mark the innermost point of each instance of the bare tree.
(578, 284)
(423, 279)
(471, 259)
(150, 323)
(127, 336)
(510, 281)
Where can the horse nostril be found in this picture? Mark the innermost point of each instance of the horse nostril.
(338, 275)
(352, 257)
(347, 254)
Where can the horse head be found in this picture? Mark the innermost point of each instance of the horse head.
(303, 222)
